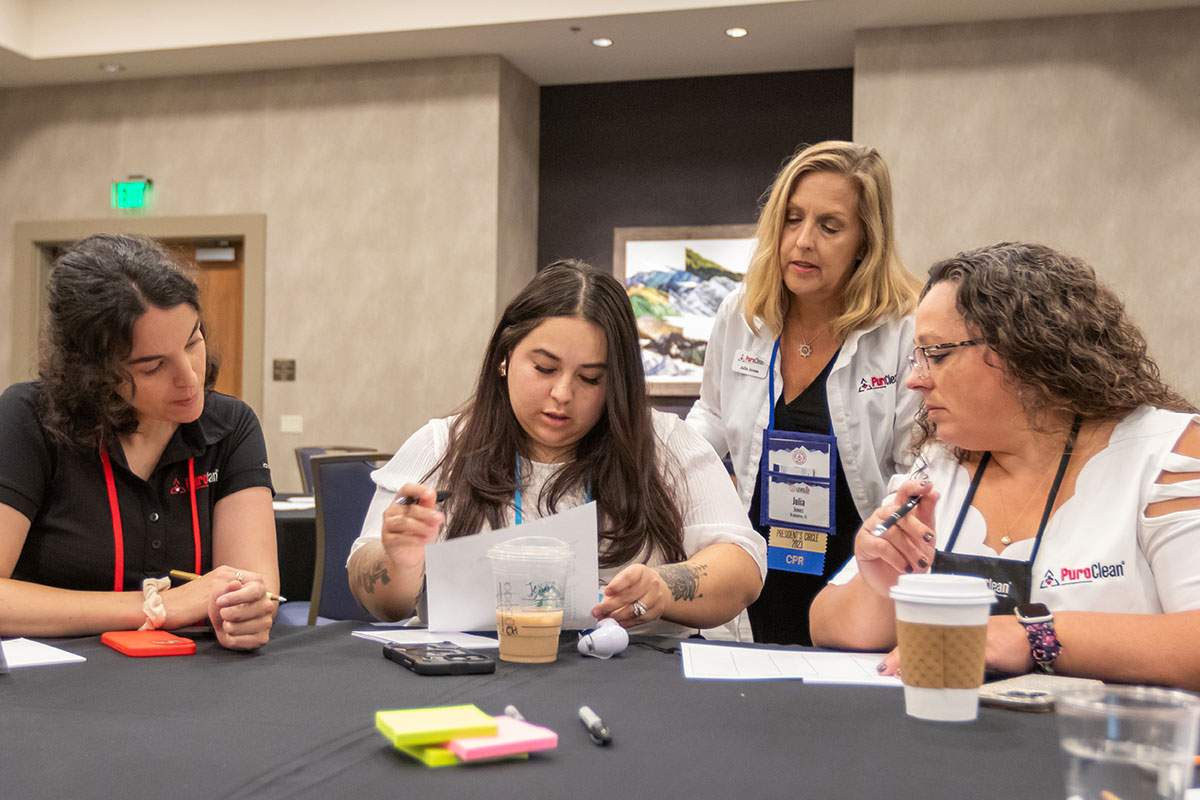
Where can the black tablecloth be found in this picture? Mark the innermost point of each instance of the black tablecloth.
(297, 720)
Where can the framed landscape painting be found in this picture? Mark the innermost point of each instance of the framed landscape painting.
(676, 279)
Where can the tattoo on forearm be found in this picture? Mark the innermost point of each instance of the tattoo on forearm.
(683, 579)
(374, 574)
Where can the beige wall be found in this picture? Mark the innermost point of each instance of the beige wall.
(401, 209)
(1082, 132)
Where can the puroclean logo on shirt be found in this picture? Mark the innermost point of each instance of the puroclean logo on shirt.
(202, 481)
(870, 382)
(1069, 576)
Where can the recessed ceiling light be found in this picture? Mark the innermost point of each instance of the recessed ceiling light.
(736, 33)
(112, 67)
(602, 42)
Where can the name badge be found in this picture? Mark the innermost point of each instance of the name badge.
(746, 363)
(798, 481)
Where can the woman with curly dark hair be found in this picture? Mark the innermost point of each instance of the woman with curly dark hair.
(120, 464)
(1056, 464)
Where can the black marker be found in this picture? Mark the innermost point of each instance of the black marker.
(896, 516)
(595, 726)
(408, 500)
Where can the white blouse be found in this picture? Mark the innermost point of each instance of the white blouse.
(712, 512)
(1099, 552)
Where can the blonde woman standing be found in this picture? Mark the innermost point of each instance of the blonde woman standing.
(804, 376)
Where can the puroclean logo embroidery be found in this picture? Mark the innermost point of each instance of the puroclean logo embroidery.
(1068, 576)
(750, 359)
(202, 482)
(876, 382)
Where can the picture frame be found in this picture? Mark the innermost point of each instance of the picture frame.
(676, 278)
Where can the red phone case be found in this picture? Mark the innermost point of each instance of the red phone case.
(148, 643)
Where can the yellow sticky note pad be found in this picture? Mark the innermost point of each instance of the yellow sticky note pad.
(409, 727)
(436, 755)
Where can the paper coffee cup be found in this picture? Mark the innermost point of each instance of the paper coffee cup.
(941, 627)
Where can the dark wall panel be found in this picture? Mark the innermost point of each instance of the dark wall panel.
(694, 151)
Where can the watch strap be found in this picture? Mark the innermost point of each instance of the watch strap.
(1043, 644)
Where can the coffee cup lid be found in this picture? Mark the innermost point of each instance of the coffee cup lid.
(942, 589)
(531, 548)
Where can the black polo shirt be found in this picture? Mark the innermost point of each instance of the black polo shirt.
(61, 489)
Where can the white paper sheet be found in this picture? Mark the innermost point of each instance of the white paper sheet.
(458, 576)
(28, 653)
(750, 663)
(422, 636)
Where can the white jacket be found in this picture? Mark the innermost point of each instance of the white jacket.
(871, 409)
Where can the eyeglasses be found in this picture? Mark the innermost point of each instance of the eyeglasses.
(923, 355)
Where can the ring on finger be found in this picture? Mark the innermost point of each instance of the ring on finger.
(639, 608)
(239, 577)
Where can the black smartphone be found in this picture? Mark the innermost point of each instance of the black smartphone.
(442, 658)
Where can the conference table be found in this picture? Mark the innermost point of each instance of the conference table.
(296, 720)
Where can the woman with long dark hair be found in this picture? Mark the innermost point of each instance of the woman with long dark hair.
(121, 464)
(560, 414)
(1056, 464)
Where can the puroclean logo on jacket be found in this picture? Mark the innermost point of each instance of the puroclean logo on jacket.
(867, 383)
(1068, 576)
(202, 481)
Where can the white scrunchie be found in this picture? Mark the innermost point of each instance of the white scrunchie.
(153, 605)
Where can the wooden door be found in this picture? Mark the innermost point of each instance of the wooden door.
(220, 285)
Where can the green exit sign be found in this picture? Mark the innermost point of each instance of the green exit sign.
(131, 194)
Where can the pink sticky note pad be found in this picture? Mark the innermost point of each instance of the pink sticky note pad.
(512, 736)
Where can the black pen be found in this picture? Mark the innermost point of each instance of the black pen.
(896, 516)
(408, 500)
(595, 726)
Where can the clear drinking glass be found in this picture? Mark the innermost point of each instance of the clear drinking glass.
(1126, 742)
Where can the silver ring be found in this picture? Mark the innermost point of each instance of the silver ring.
(639, 609)
(237, 576)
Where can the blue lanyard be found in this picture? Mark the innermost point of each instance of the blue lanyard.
(773, 398)
(518, 516)
(771, 384)
(1068, 449)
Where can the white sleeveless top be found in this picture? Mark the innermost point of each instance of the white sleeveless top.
(1100, 552)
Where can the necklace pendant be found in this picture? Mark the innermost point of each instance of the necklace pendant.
(1006, 540)
(805, 350)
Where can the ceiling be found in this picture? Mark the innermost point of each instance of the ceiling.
(68, 41)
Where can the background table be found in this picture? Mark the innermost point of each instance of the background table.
(296, 540)
(297, 720)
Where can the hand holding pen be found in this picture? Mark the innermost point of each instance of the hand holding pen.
(411, 521)
(899, 537)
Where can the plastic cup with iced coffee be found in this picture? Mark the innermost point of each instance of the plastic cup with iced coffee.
(531, 584)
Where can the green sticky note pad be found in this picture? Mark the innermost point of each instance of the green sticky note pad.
(436, 755)
(424, 726)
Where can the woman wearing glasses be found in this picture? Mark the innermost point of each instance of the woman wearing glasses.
(804, 373)
(1057, 465)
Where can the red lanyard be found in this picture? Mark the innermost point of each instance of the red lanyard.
(118, 533)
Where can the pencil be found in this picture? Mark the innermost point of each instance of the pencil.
(191, 576)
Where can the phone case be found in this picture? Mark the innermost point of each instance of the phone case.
(142, 644)
(442, 658)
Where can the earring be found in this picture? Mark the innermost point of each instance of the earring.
(503, 369)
